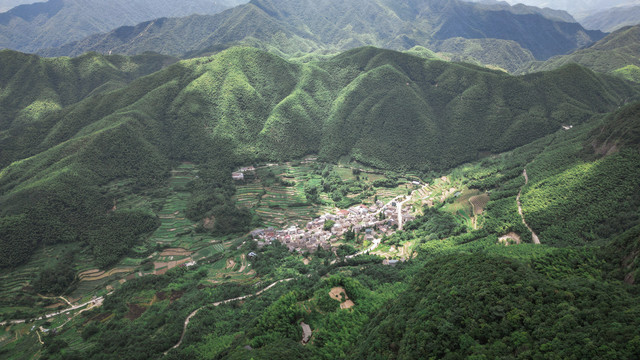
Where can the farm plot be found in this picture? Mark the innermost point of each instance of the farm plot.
(248, 195)
(479, 202)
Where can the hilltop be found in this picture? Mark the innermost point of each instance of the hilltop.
(613, 19)
(289, 27)
(34, 87)
(616, 54)
(32, 27)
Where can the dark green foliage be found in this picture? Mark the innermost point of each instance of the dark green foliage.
(280, 318)
(490, 307)
(34, 88)
(56, 280)
(434, 224)
(117, 233)
(383, 108)
(17, 239)
(345, 249)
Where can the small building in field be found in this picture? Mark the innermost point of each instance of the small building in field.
(238, 176)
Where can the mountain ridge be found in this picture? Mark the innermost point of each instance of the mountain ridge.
(32, 27)
(287, 27)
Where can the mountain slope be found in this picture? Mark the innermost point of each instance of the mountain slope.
(615, 52)
(507, 55)
(380, 107)
(29, 28)
(474, 299)
(612, 19)
(32, 88)
(288, 27)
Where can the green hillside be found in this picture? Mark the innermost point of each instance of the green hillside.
(507, 55)
(471, 299)
(382, 108)
(291, 28)
(464, 294)
(33, 88)
(618, 54)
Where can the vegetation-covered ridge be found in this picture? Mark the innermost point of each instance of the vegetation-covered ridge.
(295, 28)
(382, 108)
(616, 54)
(33, 88)
(45, 24)
(463, 294)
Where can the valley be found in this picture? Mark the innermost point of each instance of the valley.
(281, 179)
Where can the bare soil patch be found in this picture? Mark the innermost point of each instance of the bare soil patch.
(347, 305)
(479, 202)
(176, 252)
(53, 306)
(244, 263)
(175, 295)
(209, 223)
(230, 264)
(162, 267)
(337, 293)
(135, 311)
(509, 239)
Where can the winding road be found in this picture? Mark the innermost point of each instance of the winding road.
(535, 238)
(188, 319)
(97, 300)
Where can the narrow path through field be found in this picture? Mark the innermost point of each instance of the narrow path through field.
(97, 300)
(535, 238)
(188, 319)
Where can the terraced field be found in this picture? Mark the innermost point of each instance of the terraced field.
(13, 280)
(278, 205)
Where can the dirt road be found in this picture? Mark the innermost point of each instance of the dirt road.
(188, 319)
(535, 238)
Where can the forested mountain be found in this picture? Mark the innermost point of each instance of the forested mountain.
(483, 304)
(504, 54)
(33, 27)
(612, 19)
(289, 27)
(382, 108)
(464, 294)
(33, 88)
(578, 9)
(520, 8)
(618, 54)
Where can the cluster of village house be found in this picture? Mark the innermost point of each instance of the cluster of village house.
(374, 221)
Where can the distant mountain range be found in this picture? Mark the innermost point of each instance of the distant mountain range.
(612, 19)
(6, 5)
(289, 27)
(618, 54)
(577, 8)
(29, 28)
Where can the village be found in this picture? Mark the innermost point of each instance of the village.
(327, 230)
